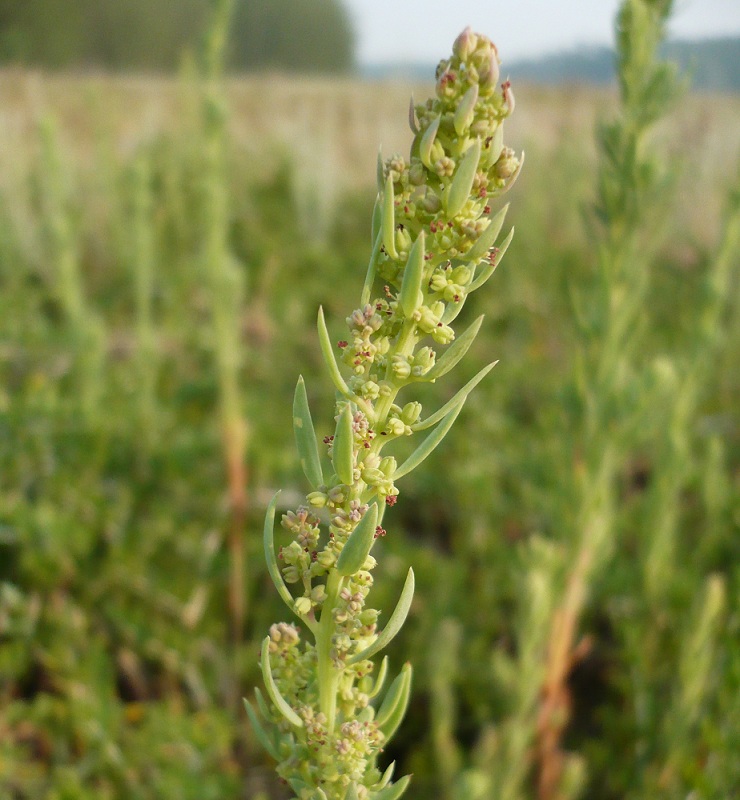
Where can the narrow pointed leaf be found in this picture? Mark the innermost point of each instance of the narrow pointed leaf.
(328, 353)
(389, 219)
(380, 680)
(259, 731)
(387, 775)
(380, 170)
(272, 565)
(394, 791)
(305, 436)
(397, 697)
(343, 448)
(487, 239)
(513, 179)
(430, 443)
(452, 311)
(413, 122)
(371, 270)
(357, 547)
(466, 109)
(410, 296)
(488, 269)
(462, 182)
(495, 147)
(398, 617)
(427, 140)
(376, 220)
(272, 689)
(459, 398)
(261, 703)
(454, 352)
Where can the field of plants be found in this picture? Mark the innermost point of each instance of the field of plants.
(164, 248)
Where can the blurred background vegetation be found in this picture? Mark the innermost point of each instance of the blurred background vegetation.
(306, 35)
(164, 245)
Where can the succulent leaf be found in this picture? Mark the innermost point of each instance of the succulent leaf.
(272, 565)
(328, 353)
(394, 791)
(343, 452)
(462, 182)
(305, 436)
(455, 351)
(259, 731)
(272, 689)
(357, 547)
(487, 271)
(430, 443)
(395, 623)
(458, 399)
(389, 219)
(410, 296)
(488, 237)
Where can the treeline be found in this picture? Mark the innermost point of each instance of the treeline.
(305, 35)
(712, 64)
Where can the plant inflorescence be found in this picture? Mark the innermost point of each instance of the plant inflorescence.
(433, 233)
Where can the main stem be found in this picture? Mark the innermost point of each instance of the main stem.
(327, 672)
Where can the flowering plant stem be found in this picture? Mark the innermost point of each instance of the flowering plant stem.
(433, 236)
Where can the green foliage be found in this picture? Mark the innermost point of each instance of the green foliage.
(116, 664)
(106, 33)
(294, 35)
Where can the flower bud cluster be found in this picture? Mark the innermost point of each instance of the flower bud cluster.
(334, 760)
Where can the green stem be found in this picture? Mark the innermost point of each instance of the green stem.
(404, 345)
(328, 674)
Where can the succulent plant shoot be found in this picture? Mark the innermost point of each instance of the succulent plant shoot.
(327, 713)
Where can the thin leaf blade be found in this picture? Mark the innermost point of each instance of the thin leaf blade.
(410, 296)
(328, 353)
(487, 271)
(454, 352)
(268, 538)
(395, 623)
(459, 398)
(357, 548)
(430, 443)
(272, 689)
(305, 436)
(488, 237)
(259, 731)
(343, 449)
(462, 182)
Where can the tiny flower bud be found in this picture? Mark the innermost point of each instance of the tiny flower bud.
(443, 334)
(317, 499)
(508, 95)
(400, 366)
(411, 412)
(303, 605)
(318, 594)
(507, 164)
(465, 44)
(388, 466)
(438, 283)
(327, 559)
(372, 477)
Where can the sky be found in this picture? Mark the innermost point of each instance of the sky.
(423, 30)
